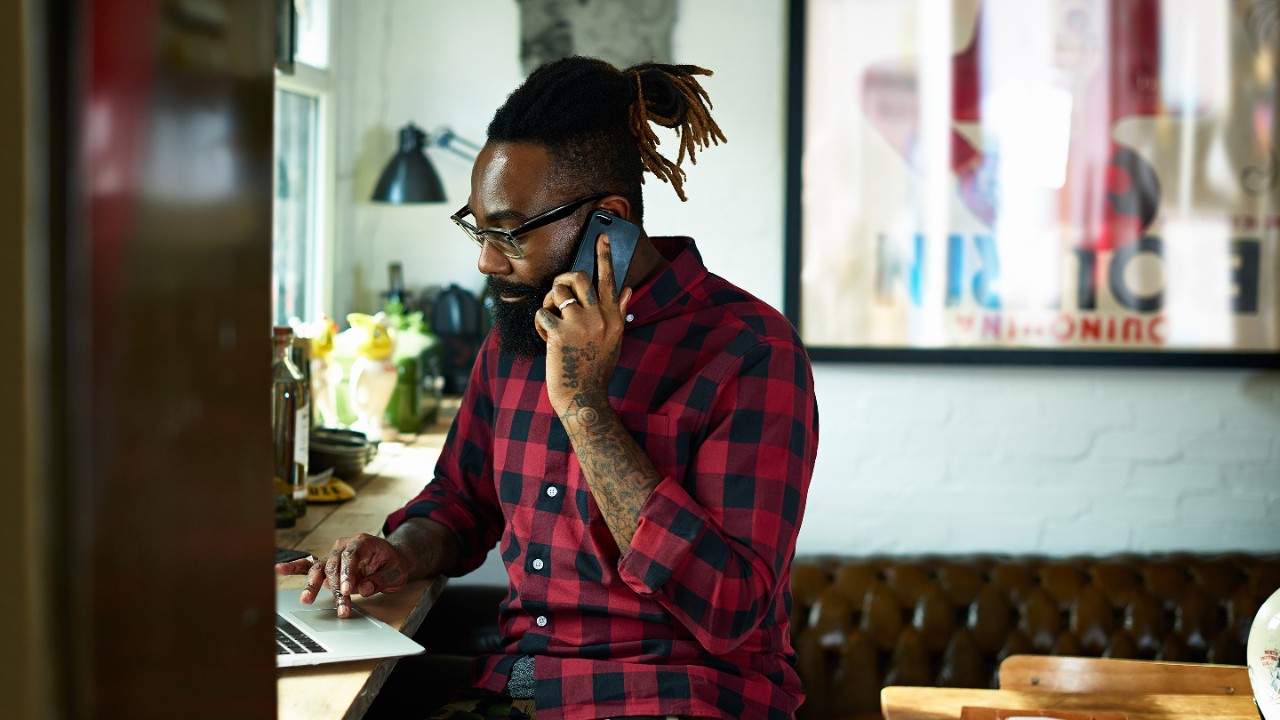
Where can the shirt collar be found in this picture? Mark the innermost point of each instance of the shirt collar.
(672, 289)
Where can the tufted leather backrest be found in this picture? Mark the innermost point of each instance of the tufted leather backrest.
(859, 624)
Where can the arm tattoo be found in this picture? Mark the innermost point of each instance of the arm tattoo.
(619, 473)
(571, 358)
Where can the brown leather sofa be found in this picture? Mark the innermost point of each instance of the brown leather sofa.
(861, 623)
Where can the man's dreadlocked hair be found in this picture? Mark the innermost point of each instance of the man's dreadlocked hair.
(596, 121)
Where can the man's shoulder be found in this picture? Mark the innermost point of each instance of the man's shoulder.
(695, 299)
(755, 315)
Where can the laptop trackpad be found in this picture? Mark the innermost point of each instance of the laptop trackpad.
(328, 621)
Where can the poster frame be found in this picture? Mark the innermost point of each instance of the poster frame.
(1037, 356)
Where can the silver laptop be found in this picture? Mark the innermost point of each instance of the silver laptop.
(314, 634)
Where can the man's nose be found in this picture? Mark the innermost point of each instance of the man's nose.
(493, 262)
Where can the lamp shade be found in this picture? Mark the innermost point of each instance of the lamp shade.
(409, 177)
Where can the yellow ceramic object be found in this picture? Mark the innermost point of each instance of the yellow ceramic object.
(322, 333)
(333, 490)
(373, 375)
(376, 342)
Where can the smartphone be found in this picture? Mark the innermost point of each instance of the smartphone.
(288, 555)
(623, 237)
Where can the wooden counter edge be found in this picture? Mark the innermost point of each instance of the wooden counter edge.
(912, 703)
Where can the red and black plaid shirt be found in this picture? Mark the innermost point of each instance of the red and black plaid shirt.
(694, 619)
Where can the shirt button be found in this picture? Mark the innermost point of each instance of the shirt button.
(542, 621)
(537, 563)
(552, 491)
(630, 317)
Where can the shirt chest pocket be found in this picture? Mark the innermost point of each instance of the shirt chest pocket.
(658, 437)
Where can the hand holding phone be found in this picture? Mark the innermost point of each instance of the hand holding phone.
(623, 238)
(571, 320)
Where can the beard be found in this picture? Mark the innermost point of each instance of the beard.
(514, 321)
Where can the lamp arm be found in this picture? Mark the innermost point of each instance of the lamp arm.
(449, 140)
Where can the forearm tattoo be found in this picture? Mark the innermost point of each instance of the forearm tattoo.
(619, 473)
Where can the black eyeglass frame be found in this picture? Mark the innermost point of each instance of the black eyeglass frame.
(511, 244)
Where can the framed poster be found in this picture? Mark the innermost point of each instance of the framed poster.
(1035, 181)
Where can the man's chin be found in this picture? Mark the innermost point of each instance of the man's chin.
(520, 344)
(514, 324)
(514, 316)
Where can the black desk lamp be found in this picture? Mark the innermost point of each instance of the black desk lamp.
(409, 177)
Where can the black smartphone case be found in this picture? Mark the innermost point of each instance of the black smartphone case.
(623, 237)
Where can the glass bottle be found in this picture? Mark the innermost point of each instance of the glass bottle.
(404, 410)
(290, 424)
(395, 291)
(300, 354)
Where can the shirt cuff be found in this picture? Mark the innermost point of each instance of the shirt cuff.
(671, 525)
(453, 517)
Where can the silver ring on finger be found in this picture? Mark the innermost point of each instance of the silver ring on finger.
(566, 303)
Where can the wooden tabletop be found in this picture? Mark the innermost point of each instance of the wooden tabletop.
(345, 690)
(928, 703)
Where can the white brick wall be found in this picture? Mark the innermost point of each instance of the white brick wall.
(1053, 461)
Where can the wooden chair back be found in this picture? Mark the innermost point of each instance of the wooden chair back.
(1049, 673)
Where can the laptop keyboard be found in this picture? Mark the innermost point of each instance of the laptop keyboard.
(292, 641)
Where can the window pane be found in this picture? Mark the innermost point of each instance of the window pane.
(313, 32)
(294, 244)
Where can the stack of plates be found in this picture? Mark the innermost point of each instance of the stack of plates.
(346, 451)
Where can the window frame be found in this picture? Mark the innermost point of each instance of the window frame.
(317, 83)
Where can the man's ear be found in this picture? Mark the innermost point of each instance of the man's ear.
(618, 205)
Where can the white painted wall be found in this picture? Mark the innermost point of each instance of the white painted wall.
(912, 458)
(1038, 460)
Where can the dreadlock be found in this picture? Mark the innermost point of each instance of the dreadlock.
(676, 101)
(596, 121)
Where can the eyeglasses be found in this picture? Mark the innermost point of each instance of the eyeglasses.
(505, 240)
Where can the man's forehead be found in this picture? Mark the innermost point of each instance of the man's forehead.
(509, 179)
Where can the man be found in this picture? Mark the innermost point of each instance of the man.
(641, 447)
